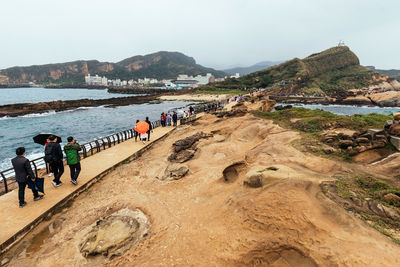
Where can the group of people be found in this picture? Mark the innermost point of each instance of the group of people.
(168, 119)
(54, 158)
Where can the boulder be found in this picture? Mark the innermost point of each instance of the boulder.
(189, 141)
(394, 129)
(219, 138)
(396, 116)
(175, 172)
(391, 197)
(182, 156)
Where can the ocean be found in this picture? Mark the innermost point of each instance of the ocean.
(84, 124)
(35, 95)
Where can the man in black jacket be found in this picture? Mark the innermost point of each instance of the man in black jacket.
(23, 172)
(175, 118)
(150, 128)
(54, 156)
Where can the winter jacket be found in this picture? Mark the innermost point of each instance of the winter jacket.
(53, 152)
(71, 150)
(22, 168)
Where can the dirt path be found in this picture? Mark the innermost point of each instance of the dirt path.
(205, 219)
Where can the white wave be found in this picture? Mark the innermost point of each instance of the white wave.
(44, 114)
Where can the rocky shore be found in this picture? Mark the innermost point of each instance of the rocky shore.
(14, 110)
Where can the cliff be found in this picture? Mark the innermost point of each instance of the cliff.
(330, 71)
(160, 65)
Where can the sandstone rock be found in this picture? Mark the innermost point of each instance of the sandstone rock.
(115, 234)
(396, 116)
(361, 149)
(391, 197)
(361, 140)
(254, 181)
(182, 156)
(175, 172)
(345, 143)
(394, 129)
(219, 138)
(328, 150)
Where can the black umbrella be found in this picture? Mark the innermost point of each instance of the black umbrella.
(42, 138)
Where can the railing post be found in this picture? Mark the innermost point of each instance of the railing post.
(109, 141)
(84, 151)
(91, 148)
(118, 138)
(5, 182)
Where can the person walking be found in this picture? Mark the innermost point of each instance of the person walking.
(136, 134)
(169, 118)
(150, 128)
(163, 119)
(191, 110)
(48, 165)
(23, 173)
(54, 156)
(175, 119)
(73, 158)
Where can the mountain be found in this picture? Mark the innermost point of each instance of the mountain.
(160, 65)
(331, 71)
(392, 73)
(256, 67)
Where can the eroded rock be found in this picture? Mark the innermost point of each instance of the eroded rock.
(113, 235)
(175, 172)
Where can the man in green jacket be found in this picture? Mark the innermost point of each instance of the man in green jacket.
(73, 158)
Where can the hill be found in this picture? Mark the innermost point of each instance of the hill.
(256, 67)
(392, 73)
(330, 71)
(160, 65)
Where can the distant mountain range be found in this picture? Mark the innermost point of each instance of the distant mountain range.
(256, 67)
(392, 73)
(160, 65)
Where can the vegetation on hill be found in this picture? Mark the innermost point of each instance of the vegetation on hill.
(392, 73)
(332, 70)
(160, 65)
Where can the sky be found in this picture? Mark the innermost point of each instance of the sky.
(217, 33)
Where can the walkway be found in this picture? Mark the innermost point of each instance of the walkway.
(16, 221)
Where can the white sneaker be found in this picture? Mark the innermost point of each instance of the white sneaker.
(50, 174)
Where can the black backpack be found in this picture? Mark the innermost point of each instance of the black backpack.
(48, 154)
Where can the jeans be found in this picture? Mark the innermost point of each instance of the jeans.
(148, 135)
(58, 170)
(75, 170)
(21, 192)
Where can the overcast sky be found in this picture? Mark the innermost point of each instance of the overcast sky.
(217, 33)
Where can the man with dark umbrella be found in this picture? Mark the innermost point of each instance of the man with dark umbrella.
(54, 156)
(23, 173)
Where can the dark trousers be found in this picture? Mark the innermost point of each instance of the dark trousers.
(136, 134)
(75, 170)
(148, 135)
(174, 123)
(21, 192)
(58, 170)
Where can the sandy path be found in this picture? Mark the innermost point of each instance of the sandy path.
(201, 220)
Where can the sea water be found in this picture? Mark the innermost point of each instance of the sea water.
(35, 95)
(84, 124)
(350, 110)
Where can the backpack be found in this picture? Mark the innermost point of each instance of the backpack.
(48, 154)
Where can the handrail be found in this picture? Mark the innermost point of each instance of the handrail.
(106, 142)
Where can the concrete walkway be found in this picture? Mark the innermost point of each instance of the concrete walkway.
(15, 221)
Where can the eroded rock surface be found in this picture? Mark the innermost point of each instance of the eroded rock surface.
(115, 234)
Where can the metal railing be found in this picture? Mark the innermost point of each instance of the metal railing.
(7, 176)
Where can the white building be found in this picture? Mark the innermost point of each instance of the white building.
(96, 80)
(237, 75)
(208, 78)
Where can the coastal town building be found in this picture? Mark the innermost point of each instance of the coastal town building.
(96, 80)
